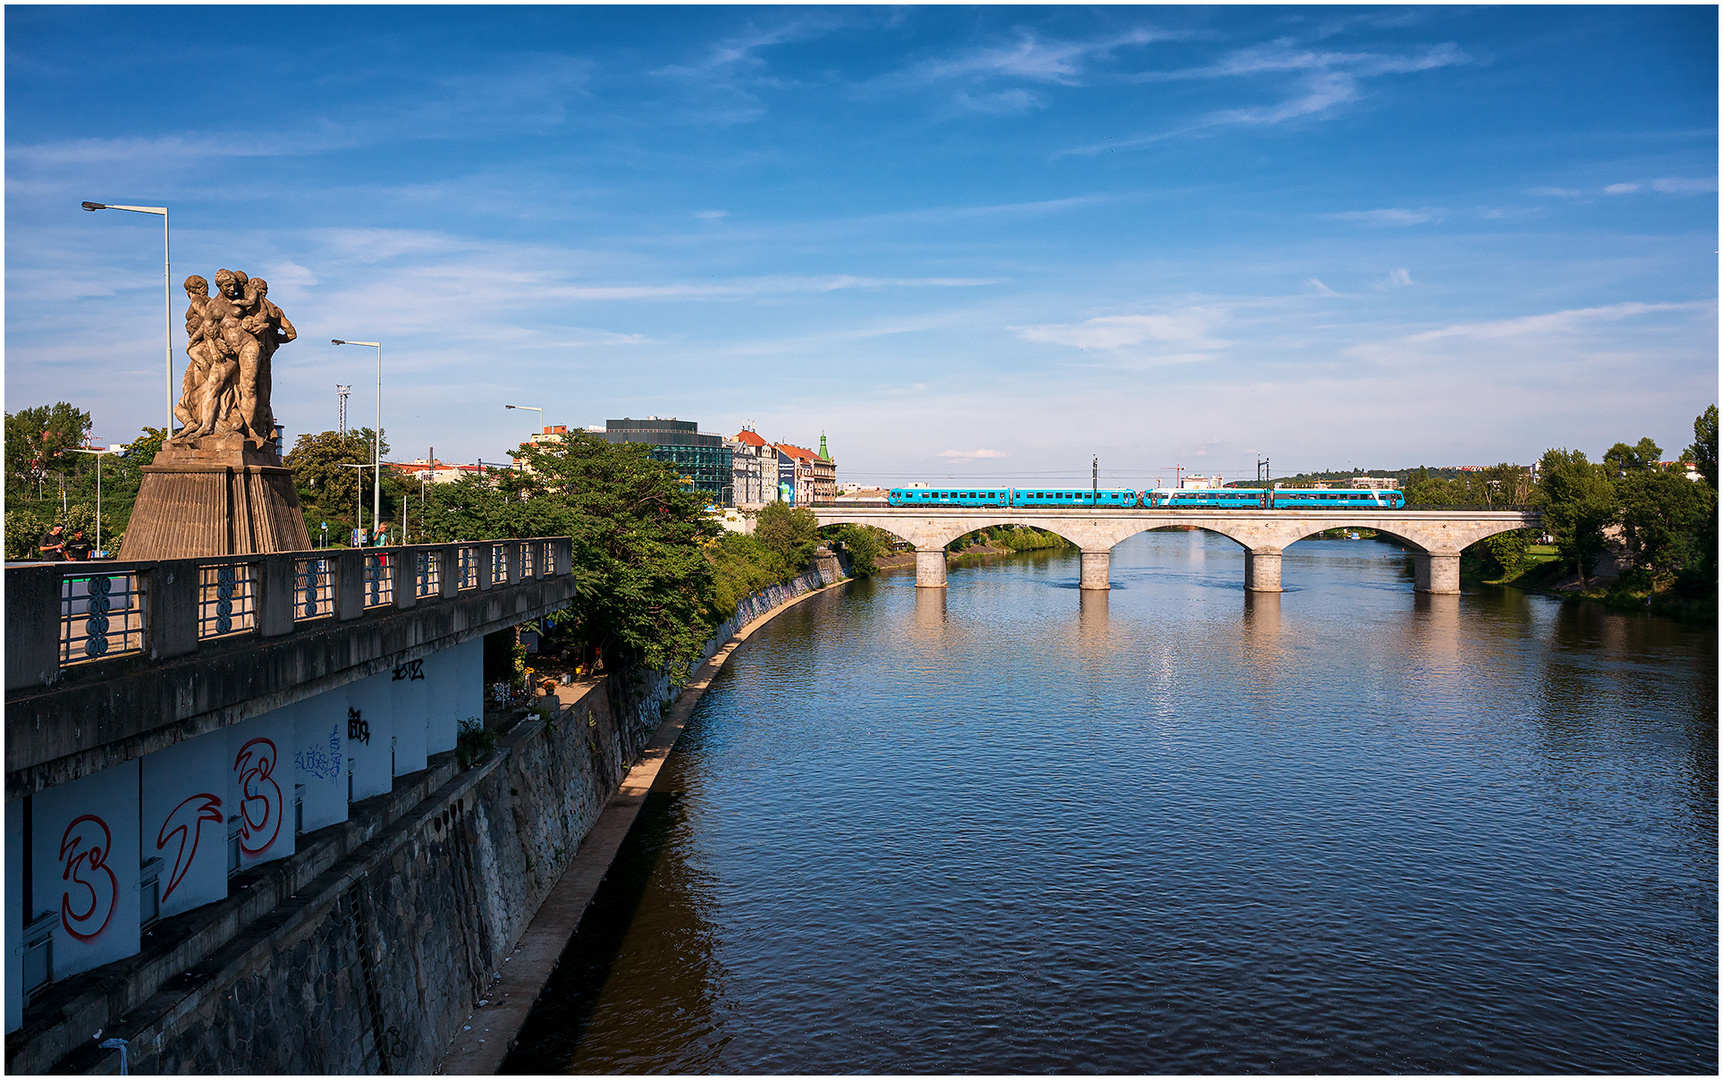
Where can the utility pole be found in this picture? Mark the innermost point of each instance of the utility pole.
(341, 392)
(1095, 479)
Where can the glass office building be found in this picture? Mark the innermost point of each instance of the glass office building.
(703, 459)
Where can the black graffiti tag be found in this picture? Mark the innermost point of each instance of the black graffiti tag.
(357, 729)
(412, 669)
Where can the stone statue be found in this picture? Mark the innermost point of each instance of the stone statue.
(230, 339)
(218, 486)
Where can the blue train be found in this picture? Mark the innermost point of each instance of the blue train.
(1156, 498)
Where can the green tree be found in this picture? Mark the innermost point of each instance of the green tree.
(638, 532)
(37, 439)
(329, 487)
(1663, 519)
(1703, 452)
(1622, 459)
(1579, 503)
(864, 544)
(790, 533)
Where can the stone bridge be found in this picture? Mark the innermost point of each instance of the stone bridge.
(1436, 536)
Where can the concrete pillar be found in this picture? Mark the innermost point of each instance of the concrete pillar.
(1262, 571)
(930, 568)
(1095, 567)
(1436, 572)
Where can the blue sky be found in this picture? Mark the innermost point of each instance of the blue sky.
(973, 242)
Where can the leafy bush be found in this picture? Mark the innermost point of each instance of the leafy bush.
(790, 533)
(473, 742)
(741, 565)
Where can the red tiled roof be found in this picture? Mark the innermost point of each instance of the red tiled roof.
(749, 438)
(802, 452)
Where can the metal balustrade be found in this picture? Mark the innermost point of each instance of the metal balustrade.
(313, 589)
(101, 615)
(379, 580)
(226, 601)
(427, 573)
(110, 610)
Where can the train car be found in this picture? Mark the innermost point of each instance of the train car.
(948, 496)
(1040, 496)
(1273, 499)
(1337, 499)
(1206, 498)
(1068, 496)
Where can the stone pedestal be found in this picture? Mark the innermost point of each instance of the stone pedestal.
(1096, 565)
(220, 495)
(1436, 572)
(1262, 571)
(930, 568)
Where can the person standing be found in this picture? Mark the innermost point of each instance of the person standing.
(53, 545)
(77, 548)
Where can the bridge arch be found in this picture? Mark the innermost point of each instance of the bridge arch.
(1436, 537)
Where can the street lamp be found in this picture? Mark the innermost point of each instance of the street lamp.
(167, 288)
(534, 408)
(376, 436)
(113, 448)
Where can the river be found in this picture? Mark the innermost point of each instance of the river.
(1014, 827)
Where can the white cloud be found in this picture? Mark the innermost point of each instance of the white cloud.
(1401, 276)
(1621, 189)
(1316, 283)
(1320, 82)
(972, 455)
(711, 215)
(1555, 192)
(1031, 58)
(1681, 185)
(1393, 215)
(1187, 330)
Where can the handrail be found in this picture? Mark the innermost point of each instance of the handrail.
(62, 615)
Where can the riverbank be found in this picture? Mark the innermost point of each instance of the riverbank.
(1631, 593)
(490, 1031)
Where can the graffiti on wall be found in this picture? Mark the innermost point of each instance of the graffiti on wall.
(260, 802)
(186, 823)
(88, 901)
(322, 763)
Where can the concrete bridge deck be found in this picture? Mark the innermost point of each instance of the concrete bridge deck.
(1436, 536)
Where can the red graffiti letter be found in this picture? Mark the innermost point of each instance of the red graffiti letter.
(186, 822)
(260, 801)
(90, 833)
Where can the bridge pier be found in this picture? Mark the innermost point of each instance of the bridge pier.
(1262, 571)
(930, 568)
(1096, 565)
(1436, 572)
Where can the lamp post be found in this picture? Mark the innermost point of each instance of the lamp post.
(113, 448)
(534, 408)
(167, 288)
(376, 436)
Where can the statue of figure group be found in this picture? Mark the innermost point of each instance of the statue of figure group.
(231, 337)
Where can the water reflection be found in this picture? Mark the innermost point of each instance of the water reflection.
(1012, 827)
(1436, 629)
(651, 899)
(1093, 620)
(928, 627)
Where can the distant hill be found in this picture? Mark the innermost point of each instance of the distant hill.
(1340, 477)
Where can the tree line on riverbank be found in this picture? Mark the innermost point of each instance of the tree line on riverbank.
(1661, 525)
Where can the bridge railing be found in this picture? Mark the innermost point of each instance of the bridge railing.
(68, 615)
